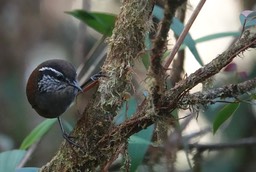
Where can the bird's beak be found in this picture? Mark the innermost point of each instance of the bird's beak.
(76, 85)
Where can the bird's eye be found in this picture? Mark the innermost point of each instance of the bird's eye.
(60, 77)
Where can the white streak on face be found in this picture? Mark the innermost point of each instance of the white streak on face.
(51, 69)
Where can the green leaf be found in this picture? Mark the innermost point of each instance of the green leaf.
(177, 28)
(253, 96)
(101, 22)
(216, 36)
(138, 146)
(212, 37)
(37, 133)
(248, 18)
(140, 141)
(27, 169)
(127, 110)
(146, 60)
(9, 160)
(226, 112)
(146, 56)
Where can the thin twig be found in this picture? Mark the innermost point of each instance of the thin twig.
(93, 50)
(242, 143)
(178, 63)
(159, 44)
(184, 33)
(209, 96)
(28, 154)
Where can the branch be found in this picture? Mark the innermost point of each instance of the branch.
(184, 33)
(219, 146)
(145, 116)
(99, 139)
(228, 91)
(125, 44)
(178, 63)
(209, 69)
(159, 47)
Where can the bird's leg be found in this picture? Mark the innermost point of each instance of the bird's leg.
(94, 78)
(65, 134)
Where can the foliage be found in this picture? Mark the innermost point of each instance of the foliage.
(138, 143)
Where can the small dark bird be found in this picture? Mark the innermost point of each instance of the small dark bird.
(51, 88)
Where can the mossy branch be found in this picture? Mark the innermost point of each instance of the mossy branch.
(125, 44)
(100, 140)
(209, 96)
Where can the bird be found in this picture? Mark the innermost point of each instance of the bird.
(51, 88)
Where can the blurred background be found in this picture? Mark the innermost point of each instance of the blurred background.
(32, 31)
